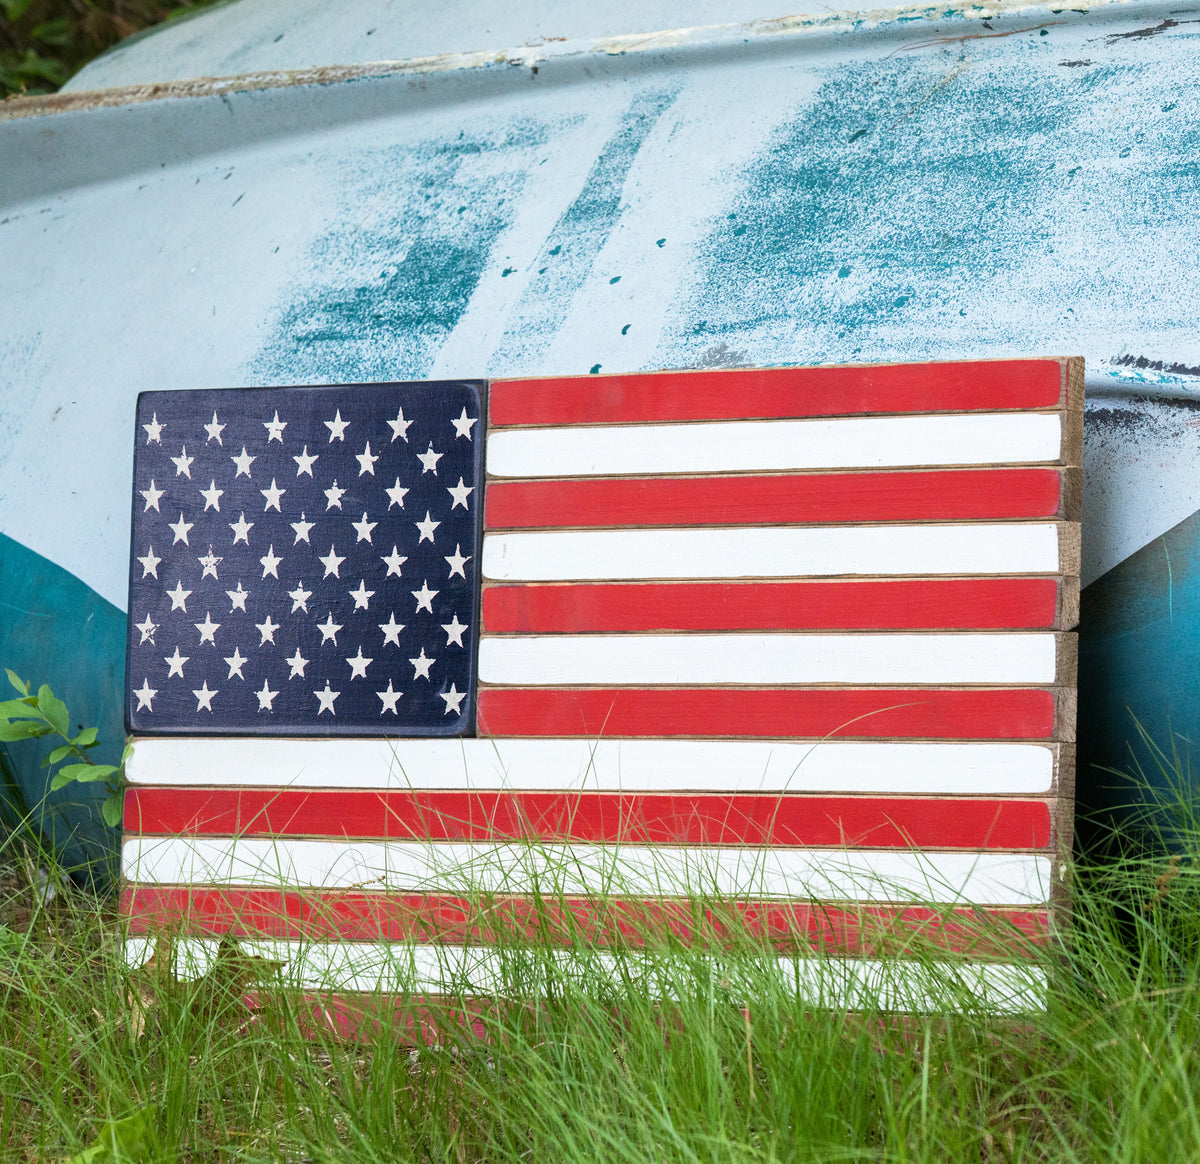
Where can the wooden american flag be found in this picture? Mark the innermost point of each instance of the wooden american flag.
(791, 638)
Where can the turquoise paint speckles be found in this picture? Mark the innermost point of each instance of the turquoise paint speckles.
(391, 276)
(974, 194)
(56, 630)
(566, 258)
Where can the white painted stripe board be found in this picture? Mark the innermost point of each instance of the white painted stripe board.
(578, 765)
(551, 869)
(771, 552)
(771, 445)
(767, 659)
(403, 968)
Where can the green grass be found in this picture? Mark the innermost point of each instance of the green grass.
(652, 1052)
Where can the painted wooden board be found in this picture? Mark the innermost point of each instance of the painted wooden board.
(796, 638)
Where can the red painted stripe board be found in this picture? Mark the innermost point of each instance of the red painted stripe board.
(768, 713)
(606, 817)
(758, 393)
(779, 499)
(924, 604)
(352, 915)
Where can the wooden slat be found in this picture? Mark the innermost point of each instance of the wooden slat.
(359, 916)
(872, 713)
(785, 499)
(768, 392)
(574, 765)
(607, 817)
(771, 446)
(779, 552)
(845, 604)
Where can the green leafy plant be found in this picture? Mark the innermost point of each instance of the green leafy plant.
(30, 717)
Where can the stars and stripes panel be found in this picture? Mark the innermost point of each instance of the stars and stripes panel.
(793, 637)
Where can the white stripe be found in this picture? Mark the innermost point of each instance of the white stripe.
(771, 552)
(577, 765)
(404, 969)
(552, 869)
(768, 659)
(769, 445)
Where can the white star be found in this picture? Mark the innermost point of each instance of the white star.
(421, 665)
(267, 630)
(300, 598)
(394, 561)
(204, 697)
(426, 527)
(304, 462)
(154, 430)
(214, 430)
(145, 696)
(363, 528)
(329, 629)
(152, 495)
(457, 561)
(243, 462)
(454, 630)
(389, 696)
(175, 662)
(462, 426)
(453, 699)
(366, 462)
(208, 629)
(331, 562)
(362, 596)
(326, 697)
(209, 562)
(241, 529)
(236, 662)
(429, 459)
(297, 663)
(275, 428)
(150, 564)
(179, 597)
(333, 496)
(391, 630)
(395, 495)
(424, 597)
(183, 464)
(266, 697)
(237, 598)
(270, 563)
(147, 628)
(180, 529)
(337, 427)
(359, 665)
(400, 426)
(272, 496)
(460, 493)
(302, 527)
(212, 497)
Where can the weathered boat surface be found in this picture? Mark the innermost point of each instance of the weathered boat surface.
(377, 192)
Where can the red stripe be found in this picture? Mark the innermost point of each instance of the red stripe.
(755, 393)
(353, 915)
(788, 499)
(772, 713)
(629, 818)
(927, 604)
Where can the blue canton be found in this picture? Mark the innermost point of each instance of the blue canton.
(304, 560)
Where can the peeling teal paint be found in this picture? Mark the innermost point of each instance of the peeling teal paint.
(393, 273)
(577, 237)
